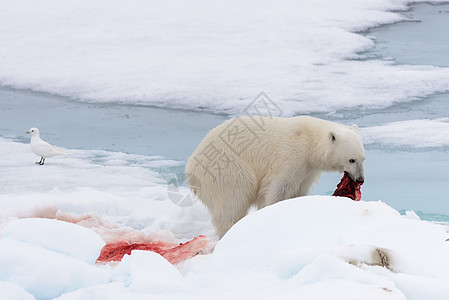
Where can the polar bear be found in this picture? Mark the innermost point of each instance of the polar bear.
(258, 161)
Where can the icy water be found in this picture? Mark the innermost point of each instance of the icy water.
(403, 178)
(124, 128)
(409, 178)
(416, 179)
(424, 41)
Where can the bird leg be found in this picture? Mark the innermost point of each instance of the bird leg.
(41, 162)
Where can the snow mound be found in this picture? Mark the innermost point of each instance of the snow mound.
(318, 239)
(59, 236)
(13, 292)
(315, 247)
(44, 273)
(146, 271)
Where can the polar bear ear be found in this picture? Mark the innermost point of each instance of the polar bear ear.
(355, 127)
(332, 137)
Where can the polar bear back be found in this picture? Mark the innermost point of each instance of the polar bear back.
(255, 160)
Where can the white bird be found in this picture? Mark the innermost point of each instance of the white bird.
(42, 148)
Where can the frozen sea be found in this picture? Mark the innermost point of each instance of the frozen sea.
(403, 167)
(131, 90)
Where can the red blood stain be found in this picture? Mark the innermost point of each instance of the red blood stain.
(348, 188)
(173, 252)
(122, 240)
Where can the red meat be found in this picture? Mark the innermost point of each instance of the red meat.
(349, 188)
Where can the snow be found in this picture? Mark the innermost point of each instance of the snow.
(372, 223)
(49, 257)
(313, 240)
(45, 273)
(212, 56)
(148, 272)
(425, 133)
(315, 247)
(309, 57)
(58, 236)
(310, 247)
(11, 291)
(93, 187)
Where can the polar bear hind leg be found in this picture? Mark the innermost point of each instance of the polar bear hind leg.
(228, 199)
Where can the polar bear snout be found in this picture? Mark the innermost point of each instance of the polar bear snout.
(357, 178)
(354, 167)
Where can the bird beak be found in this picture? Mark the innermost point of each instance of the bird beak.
(27, 132)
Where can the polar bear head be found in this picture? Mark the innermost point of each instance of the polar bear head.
(346, 152)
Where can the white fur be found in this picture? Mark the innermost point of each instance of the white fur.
(272, 159)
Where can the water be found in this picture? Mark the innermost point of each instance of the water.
(416, 180)
(125, 128)
(405, 179)
(423, 41)
(412, 179)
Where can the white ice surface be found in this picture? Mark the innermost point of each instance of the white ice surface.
(318, 239)
(148, 272)
(11, 291)
(316, 247)
(117, 187)
(367, 223)
(218, 57)
(59, 236)
(44, 273)
(422, 134)
(207, 54)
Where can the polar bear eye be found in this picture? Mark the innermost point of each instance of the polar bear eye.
(352, 161)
